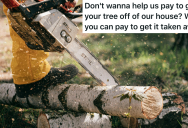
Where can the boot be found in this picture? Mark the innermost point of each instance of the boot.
(54, 77)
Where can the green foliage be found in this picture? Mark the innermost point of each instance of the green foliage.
(13, 117)
(124, 96)
(131, 93)
(181, 119)
(140, 59)
(116, 123)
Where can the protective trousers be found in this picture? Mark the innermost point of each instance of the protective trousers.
(27, 65)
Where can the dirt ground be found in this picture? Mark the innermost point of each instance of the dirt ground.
(5, 51)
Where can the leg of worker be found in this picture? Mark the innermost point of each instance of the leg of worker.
(30, 68)
(55, 76)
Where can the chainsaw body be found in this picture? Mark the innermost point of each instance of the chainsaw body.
(53, 31)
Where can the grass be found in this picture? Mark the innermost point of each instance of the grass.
(135, 59)
(13, 117)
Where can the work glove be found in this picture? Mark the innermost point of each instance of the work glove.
(68, 4)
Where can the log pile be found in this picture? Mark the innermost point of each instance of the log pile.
(73, 120)
(171, 116)
(109, 100)
(135, 101)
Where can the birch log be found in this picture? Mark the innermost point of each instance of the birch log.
(74, 120)
(85, 98)
(171, 115)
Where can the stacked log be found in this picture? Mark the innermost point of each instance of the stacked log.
(73, 120)
(135, 101)
(171, 116)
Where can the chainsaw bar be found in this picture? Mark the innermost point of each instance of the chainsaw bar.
(64, 31)
(88, 61)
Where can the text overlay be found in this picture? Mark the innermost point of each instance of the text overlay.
(136, 16)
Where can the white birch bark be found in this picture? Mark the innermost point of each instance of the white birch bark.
(85, 98)
(69, 120)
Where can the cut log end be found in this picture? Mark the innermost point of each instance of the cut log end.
(42, 121)
(153, 104)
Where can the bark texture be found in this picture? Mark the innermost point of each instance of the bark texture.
(85, 98)
(170, 117)
(74, 120)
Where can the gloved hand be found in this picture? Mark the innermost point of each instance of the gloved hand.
(67, 5)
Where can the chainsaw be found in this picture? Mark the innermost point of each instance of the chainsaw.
(47, 26)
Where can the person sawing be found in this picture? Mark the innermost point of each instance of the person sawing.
(30, 69)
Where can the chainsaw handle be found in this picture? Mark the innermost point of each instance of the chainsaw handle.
(11, 3)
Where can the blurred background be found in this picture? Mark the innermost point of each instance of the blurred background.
(134, 59)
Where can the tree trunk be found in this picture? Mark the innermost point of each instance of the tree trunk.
(181, 41)
(171, 115)
(146, 102)
(73, 120)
